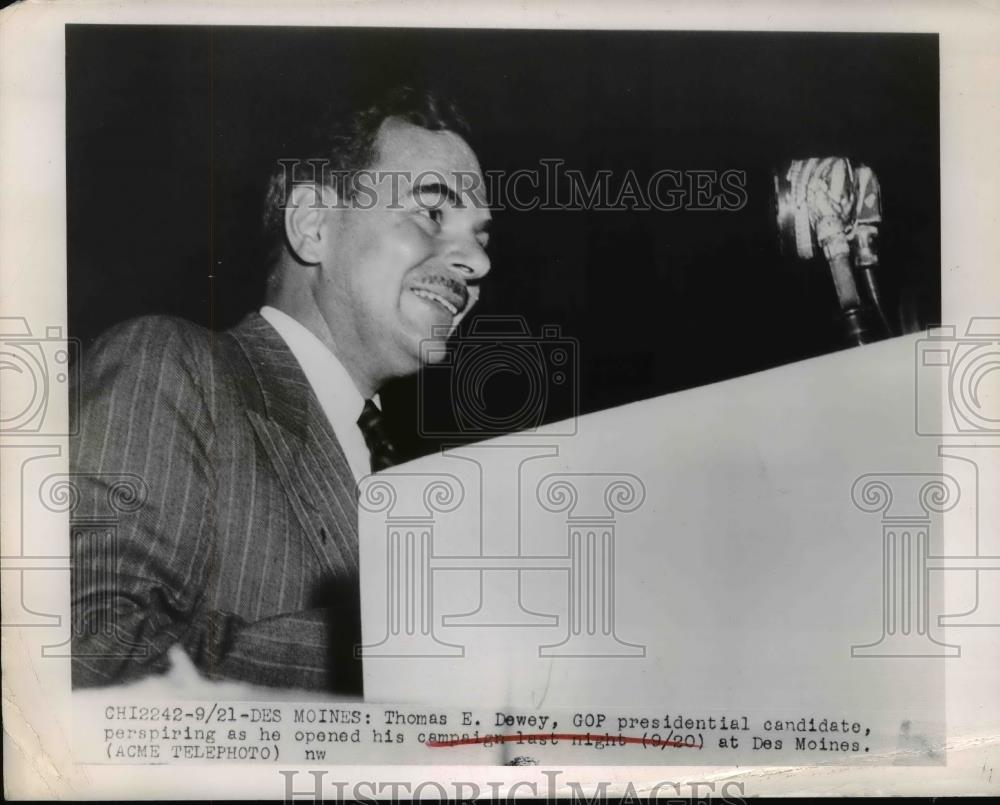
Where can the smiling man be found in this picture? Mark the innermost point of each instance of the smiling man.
(247, 446)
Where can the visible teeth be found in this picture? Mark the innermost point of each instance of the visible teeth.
(435, 298)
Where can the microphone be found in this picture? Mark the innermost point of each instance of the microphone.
(830, 204)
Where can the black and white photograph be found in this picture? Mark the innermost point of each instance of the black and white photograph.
(682, 182)
(466, 395)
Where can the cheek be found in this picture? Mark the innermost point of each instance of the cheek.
(409, 250)
(413, 244)
(383, 260)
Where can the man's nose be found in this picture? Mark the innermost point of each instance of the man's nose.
(468, 258)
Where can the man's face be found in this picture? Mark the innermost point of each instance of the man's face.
(402, 262)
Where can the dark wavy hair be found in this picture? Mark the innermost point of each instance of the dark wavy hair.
(345, 145)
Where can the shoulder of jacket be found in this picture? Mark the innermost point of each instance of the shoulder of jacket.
(164, 340)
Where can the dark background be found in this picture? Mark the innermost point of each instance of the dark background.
(171, 132)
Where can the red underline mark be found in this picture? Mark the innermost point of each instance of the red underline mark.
(562, 736)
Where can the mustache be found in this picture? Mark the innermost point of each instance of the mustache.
(445, 284)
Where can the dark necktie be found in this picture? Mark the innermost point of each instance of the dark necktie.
(383, 454)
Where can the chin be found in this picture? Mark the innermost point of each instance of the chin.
(416, 349)
(424, 341)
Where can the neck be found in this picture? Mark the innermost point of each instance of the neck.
(300, 305)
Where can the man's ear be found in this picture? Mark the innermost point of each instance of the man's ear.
(305, 216)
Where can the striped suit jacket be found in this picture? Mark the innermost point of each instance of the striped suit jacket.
(245, 548)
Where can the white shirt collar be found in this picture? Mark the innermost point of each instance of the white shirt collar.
(338, 396)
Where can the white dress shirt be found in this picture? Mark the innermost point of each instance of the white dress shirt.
(338, 396)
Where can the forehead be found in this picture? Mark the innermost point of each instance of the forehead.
(413, 150)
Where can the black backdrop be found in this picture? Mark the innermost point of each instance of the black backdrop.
(172, 130)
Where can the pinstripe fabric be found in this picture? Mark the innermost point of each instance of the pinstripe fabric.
(246, 550)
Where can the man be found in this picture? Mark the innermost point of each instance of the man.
(248, 445)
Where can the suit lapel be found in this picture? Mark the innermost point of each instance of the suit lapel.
(302, 447)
